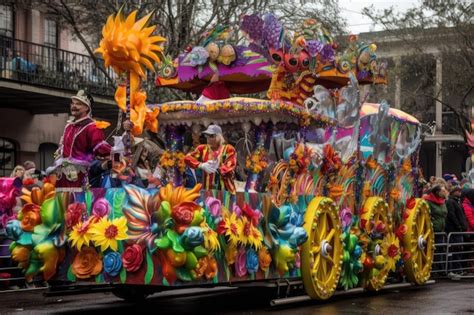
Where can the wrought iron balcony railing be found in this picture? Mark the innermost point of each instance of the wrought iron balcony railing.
(51, 67)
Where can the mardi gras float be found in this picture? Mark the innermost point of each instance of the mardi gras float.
(329, 194)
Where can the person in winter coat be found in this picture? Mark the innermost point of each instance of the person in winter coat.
(467, 201)
(456, 222)
(456, 219)
(437, 202)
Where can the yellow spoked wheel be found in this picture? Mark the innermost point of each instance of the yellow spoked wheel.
(321, 254)
(419, 241)
(376, 222)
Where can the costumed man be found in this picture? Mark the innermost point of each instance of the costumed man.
(80, 144)
(216, 159)
(216, 90)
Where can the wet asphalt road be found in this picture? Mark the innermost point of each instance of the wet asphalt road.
(443, 297)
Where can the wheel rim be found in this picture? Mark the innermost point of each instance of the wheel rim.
(419, 242)
(378, 225)
(321, 254)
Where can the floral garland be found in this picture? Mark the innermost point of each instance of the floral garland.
(257, 162)
(245, 105)
(173, 159)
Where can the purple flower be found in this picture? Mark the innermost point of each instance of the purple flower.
(236, 209)
(313, 47)
(327, 53)
(213, 206)
(101, 208)
(241, 263)
(345, 216)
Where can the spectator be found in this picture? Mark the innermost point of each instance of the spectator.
(437, 202)
(467, 201)
(30, 168)
(456, 222)
(18, 171)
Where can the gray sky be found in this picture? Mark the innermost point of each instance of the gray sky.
(357, 23)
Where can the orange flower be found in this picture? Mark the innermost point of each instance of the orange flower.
(230, 254)
(207, 266)
(151, 121)
(395, 194)
(264, 258)
(87, 263)
(371, 163)
(30, 217)
(335, 191)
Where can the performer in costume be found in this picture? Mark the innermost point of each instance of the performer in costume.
(80, 144)
(216, 159)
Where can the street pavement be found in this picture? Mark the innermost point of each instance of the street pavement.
(443, 297)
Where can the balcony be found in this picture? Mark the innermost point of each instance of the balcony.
(40, 79)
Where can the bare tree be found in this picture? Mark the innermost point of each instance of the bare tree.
(446, 25)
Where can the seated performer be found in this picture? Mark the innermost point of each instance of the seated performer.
(216, 159)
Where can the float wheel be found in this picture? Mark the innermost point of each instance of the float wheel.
(377, 223)
(321, 254)
(419, 241)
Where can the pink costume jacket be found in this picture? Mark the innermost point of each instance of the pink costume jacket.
(224, 177)
(81, 142)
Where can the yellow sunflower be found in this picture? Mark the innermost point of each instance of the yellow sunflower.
(391, 250)
(231, 226)
(211, 242)
(106, 233)
(80, 234)
(249, 234)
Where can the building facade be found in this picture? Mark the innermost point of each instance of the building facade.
(41, 66)
(418, 84)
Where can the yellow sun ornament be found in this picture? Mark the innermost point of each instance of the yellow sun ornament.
(80, 235)
(128, 47)
(390, 249)
(231, 226)
(106, 233)
(249, 234)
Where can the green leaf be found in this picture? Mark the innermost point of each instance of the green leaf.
(200, 251)
(49, 213)
(183, 274)
(191, 261)
(123, 275)
(165, 212)
(163, 242)
(165, 282)
(99, 278)
(88, 198)
(174, 238)
(197, 218)
(70, 275)
(149, 268)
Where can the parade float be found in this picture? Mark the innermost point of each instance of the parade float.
(329, 190)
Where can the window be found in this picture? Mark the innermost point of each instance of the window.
(51, 41)
(46, 152)
(50, 33)
(6, 21)
(7, 157)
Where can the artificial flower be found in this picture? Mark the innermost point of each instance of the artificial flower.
(264, 258)
(252, 262)
(30, 217)
(74, 214)
(87, 263)
(241, 263)
(101, 208)
(80, 234)
(107, 233)
(132, 258)
(112, 263)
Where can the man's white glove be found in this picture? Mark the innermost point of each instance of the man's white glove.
(209, 167)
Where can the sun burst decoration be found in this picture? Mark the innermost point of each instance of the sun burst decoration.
(80, 235)
(129, 47)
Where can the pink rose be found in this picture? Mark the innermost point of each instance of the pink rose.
(240, 263)
(101, 208)
(132, 258)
